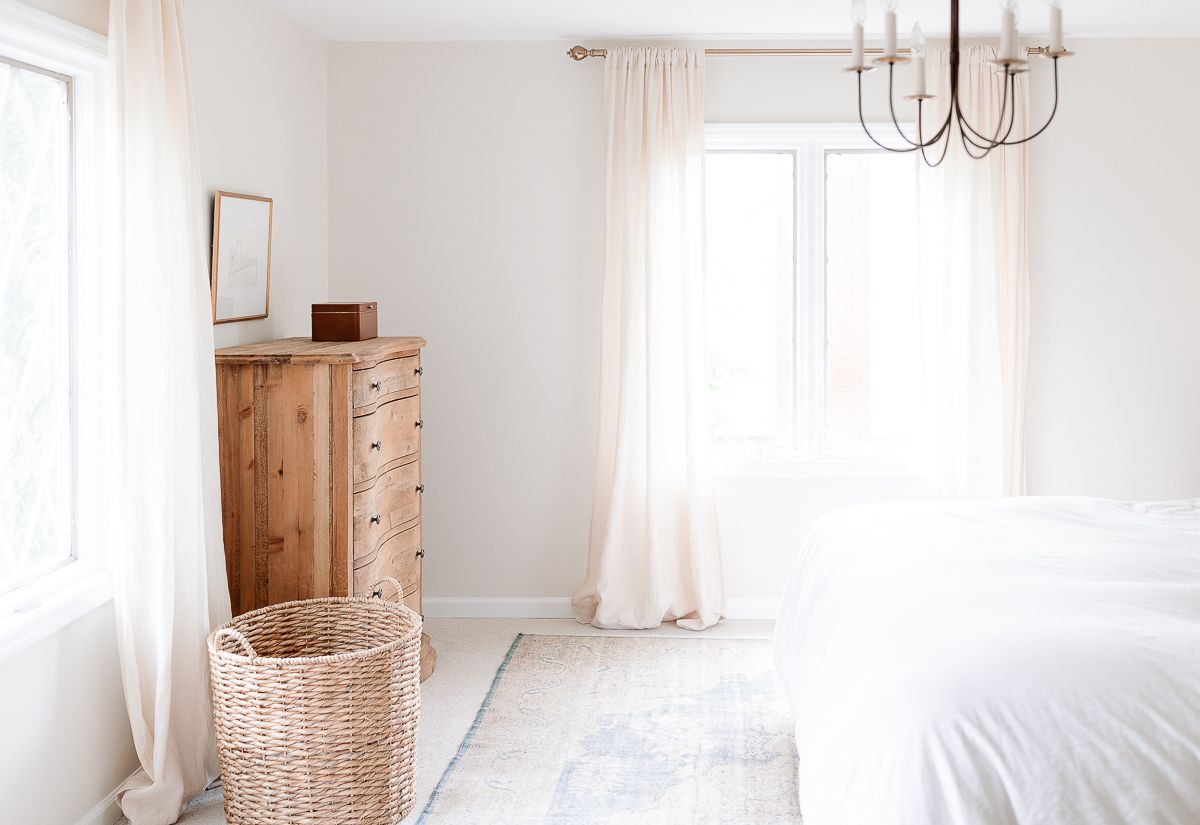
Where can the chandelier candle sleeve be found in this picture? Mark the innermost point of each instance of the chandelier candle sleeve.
(1056, 30)
(1008, 29)
(858, 16)
(889, 28)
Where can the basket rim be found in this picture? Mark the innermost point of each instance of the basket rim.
(405, 638)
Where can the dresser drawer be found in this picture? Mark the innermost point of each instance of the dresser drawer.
(385, 378)
(391, 432)
(394, 498)
(398, 557)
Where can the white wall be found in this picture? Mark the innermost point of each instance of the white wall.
(65, 744)
(259, 89)
(258, 85)
(466, 189)
(1114, 383)
(465, 198)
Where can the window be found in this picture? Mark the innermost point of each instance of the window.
(36, 335)
(52, 262)
(812, 310)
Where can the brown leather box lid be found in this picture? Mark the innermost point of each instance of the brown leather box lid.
(351, 306)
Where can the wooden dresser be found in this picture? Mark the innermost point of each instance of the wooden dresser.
(321, 470)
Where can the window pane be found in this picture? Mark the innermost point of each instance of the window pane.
(871, 311)
(750, 247)
(35, 363)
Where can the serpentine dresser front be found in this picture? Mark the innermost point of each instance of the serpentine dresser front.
(320, 448)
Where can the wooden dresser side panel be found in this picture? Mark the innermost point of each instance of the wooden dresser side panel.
(236, 428)
(340, 495)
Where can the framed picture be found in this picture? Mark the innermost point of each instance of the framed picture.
(241, 257)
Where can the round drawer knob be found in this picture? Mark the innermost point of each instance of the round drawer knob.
(420, 423)
(420, 488)
(376, 519)
(421, 553)
(376, 445)
(377, 385)
(419, 371)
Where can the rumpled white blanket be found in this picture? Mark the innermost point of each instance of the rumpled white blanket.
(1026, 661)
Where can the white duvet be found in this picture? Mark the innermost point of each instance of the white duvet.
(1028, 661)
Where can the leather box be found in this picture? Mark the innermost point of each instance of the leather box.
(345, 321)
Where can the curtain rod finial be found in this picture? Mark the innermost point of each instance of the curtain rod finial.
(578, 53)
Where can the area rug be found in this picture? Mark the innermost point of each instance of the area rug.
(587, 730)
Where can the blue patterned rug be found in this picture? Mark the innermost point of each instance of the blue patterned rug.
(617, 730)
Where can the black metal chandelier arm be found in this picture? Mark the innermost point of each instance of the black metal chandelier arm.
(945, 127)
(935, 163)
(1049, 120)
(863, 121)
(1012, 114)
(1008, 105)
(985, 144)
(967, 143)
(937, 136)
(924, 143)
(892, 108)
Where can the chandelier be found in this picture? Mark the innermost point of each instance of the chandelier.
(1009, 63)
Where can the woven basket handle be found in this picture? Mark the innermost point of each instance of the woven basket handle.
(236, 635)
(377, 588)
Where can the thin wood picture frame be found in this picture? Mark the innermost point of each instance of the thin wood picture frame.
(241, 257)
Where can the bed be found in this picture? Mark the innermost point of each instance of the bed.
(1027, 661)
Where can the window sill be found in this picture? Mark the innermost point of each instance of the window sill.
(860, 468)
(42, 608)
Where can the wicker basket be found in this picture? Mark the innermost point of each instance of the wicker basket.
(315, 706)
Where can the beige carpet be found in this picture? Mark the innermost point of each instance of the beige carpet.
(469, 653)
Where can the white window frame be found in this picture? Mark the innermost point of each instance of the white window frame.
(42, 606)
(809, 143)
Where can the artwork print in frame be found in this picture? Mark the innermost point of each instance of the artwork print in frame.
(241, 257)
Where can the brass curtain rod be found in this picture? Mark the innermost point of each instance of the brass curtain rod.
(582, 52)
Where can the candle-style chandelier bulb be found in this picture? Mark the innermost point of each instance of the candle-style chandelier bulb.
(858, 12)
(916, 41)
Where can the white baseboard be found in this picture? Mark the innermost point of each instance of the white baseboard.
(106, 811)
(482, 607)
(547, 607)
(752, 608)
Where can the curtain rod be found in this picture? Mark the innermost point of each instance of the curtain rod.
(582, 52)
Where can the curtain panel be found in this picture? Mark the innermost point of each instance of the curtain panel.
(169, 568)
(654, 552)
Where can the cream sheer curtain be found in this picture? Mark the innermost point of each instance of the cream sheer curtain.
(169, 563)
(974, 272)
(654, 553)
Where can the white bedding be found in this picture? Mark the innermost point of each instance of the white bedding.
(1029, 661)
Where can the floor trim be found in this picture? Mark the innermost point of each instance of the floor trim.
(106, 811)
(547, 607)
(481, 607)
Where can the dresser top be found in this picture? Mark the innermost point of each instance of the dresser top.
(307, 351)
